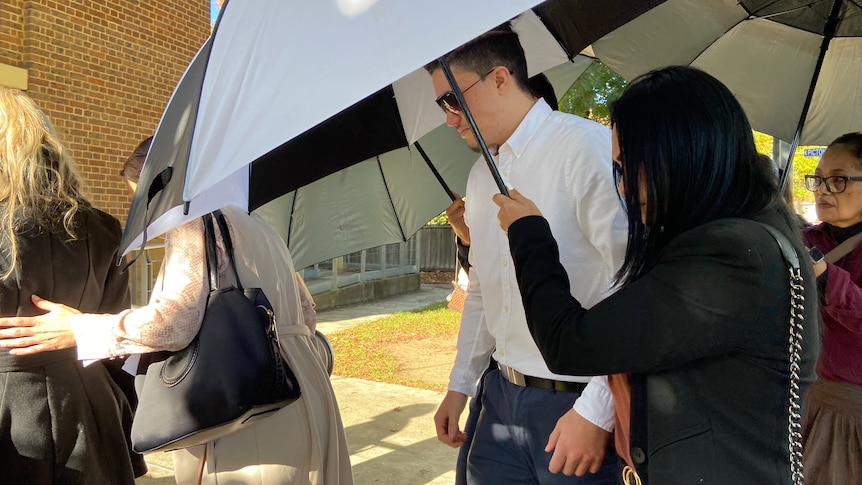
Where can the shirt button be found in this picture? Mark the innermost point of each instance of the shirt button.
(638, 455)
(506, 308)
(505, 263)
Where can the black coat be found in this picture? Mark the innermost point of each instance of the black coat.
(61, 422)
(704, 336)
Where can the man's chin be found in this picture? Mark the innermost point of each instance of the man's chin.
(472, 144)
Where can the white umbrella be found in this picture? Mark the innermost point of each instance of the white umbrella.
(252, 118)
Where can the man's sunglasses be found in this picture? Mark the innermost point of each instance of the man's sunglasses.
(448, 102)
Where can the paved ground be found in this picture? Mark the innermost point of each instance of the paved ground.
(389, 428)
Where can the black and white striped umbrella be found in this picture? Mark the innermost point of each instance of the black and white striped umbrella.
(287, 92)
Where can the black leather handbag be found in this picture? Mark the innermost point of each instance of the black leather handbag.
(229, 376)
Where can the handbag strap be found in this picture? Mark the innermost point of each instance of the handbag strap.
(211, 252)
(797, 307)
(842, 249)
(211, 248)
(228, 244)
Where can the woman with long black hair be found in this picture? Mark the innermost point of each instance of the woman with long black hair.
(697, 334)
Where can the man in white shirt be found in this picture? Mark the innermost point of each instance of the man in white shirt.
(562, 162)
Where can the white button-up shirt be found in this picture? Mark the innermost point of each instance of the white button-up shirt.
(563, 163)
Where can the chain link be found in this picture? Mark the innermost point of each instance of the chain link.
(797, 308)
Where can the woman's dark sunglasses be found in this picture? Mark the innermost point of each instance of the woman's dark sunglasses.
(448, 102)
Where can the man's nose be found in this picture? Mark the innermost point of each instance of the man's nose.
(452, 119)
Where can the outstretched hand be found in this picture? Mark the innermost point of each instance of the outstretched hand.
(42, 333)
(514, 207)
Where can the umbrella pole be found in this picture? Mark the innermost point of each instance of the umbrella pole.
(434, 171)
(828, 34)
(467, 114)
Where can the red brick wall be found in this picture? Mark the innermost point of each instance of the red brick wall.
(103, 71)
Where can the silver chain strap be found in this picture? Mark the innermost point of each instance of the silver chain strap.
(797, 307)
(797, 316)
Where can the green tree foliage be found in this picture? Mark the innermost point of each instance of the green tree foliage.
(592, 92)
(439, 220)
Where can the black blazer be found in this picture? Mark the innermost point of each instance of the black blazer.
(704, 336)
(82, 274)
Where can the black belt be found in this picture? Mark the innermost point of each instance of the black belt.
(521, 380)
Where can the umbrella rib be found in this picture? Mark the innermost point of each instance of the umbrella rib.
(434, 170)
(755, 15)
(391, 203)
(290, 221)
(556, 35)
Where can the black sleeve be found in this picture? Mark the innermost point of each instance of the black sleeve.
(699, 300)
(463, 254)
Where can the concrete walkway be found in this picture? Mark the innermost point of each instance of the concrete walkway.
(390, 429)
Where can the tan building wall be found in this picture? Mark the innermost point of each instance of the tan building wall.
(103, 71)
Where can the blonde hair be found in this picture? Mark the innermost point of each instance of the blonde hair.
(39, 181)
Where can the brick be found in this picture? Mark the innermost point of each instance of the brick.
(103, 72)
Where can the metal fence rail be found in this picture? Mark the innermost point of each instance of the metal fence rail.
(430, 249)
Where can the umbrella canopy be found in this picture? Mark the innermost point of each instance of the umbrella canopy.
(379, 201)
(253, 118)
(794, 65)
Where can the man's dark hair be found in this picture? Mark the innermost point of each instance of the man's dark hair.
(498, 47)
(687, 135)
(133, 165)
(540, 87)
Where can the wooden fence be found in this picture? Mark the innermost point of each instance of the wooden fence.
(437, 248)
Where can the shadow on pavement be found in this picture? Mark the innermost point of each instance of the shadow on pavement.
(399, 446)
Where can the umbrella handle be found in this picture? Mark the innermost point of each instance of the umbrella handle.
(465, 111)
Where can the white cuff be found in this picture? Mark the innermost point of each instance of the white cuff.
(596, 404)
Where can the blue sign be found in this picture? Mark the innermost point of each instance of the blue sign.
(813, 152)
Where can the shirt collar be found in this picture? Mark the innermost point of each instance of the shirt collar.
(528, 128)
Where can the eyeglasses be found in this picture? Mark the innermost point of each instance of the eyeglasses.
(448, 102)
(834, 184)
(618, 174)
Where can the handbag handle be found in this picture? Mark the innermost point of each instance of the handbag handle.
(211, 252)
(211, 249)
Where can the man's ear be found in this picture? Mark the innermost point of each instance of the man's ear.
(503, 79)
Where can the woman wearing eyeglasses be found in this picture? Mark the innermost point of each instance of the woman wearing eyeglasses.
(832, 433)
(696, 336)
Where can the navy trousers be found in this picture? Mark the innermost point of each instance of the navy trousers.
(469, 429)
(510, 428)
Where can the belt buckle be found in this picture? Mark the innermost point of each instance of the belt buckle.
(514, 376)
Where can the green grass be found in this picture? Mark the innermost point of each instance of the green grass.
(361, 351)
